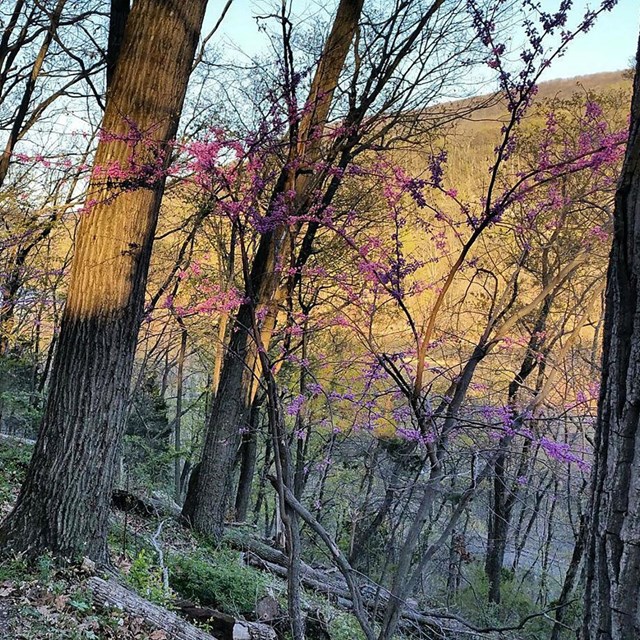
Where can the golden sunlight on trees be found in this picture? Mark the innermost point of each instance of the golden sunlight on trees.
(68, 486)
(326, 334)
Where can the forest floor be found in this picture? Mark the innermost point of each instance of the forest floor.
(44, 601)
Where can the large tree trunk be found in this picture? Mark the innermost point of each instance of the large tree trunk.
(64, 503)
(612, 598)
(208, 497)
(117, 24)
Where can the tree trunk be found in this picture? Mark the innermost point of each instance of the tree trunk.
(110, 594)
(177, 436)
(364, 535)
(64, 503)
(249, 451)
(18, 121)
(505, 493)
(13, 282)
(207, 507)
(569, 581)
(498, 528)
(117, 24)
(8, 301)
(612, 598)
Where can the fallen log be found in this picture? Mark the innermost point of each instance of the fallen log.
(265, 552)
(324, 588)
(223, 625)
(5, 437)
(108, 593)
(373, 597)
(130, 503)
(154, 506)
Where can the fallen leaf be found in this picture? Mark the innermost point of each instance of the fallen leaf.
(44, 611)
(60, 602)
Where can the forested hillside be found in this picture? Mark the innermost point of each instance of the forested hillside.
(335, 341)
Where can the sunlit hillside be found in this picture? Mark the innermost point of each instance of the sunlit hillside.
(294, 347)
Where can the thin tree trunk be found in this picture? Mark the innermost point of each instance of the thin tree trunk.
(27, 94)
(363, 536)
(248, 451)
(260, 498)
(505, 493)
(64, 502)
(522, 542)
(546, 549)
(177, 436)
(9, 53)
(14, 279)
(206, 506)
(569, 581)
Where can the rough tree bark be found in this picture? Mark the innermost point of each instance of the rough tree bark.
(110, 594)
(612, 595)
(117, 24)
(64, 502)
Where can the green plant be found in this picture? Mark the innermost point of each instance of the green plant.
(516, 603)
(15, 568)
(146, 578)
(45, 568)
(14, 459)
(217, 579)
(82, 601)
(343, 626)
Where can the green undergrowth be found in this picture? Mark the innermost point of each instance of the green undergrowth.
(218, 579)
(14, 460)
(518, 601)
(215, 576)
(207, 575)
(340, 624)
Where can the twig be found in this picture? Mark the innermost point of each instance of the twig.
(341, 561)
(155, 541)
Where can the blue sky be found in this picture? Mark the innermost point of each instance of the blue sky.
(609, 46)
